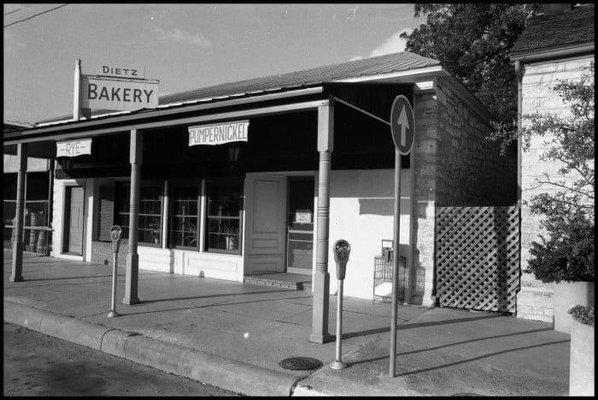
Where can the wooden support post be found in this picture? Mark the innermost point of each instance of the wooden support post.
(132, 270)
(321, 282)
(165, 213)
(17, 245)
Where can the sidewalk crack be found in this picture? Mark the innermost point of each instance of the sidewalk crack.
(102, 338)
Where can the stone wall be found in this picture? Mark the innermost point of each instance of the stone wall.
(453, 165)
(471, 171)
(535, 298)
(424, 167)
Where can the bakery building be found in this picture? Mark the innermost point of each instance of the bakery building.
(246, 180)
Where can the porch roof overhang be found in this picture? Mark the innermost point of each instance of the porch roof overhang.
(260, 102)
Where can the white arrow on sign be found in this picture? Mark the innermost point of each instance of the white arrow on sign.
(404, 122)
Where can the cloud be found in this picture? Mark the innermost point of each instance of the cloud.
(12, 42)
(356, 58)
(393, 44)
(178, 35)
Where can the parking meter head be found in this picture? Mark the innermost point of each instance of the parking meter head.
(115, 234)
(341, 249)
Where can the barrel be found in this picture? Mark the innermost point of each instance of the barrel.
(32, 245)
(42, 243)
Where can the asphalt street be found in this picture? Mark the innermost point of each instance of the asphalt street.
(39, 365)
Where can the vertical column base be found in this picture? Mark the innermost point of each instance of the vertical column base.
(16, 274)
(131, 279)
(321, 295)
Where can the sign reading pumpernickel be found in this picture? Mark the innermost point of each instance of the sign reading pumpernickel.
(215, 134)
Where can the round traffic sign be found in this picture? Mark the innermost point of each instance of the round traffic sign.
(402, 124)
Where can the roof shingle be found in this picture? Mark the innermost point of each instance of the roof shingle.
(556, 30)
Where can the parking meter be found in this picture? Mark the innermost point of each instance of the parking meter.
(115, 234)
(341, 249)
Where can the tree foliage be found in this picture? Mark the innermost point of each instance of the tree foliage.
(569, 207)
(473, 41)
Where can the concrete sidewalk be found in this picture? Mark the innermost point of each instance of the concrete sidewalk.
(233, 336)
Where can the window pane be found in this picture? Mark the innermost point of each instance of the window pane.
(223, 219)
(10, 186)
(9, 211)
(150, 211)
(37, 186)
(183, 221)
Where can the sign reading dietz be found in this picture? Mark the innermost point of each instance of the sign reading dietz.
(219, 133)
(121, 72)
(99, 92)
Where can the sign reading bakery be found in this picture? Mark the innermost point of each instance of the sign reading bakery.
(214, 134)
(112, 93)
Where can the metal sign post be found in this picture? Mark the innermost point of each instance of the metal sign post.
(341, 249)
(115, 234)
(403, 134)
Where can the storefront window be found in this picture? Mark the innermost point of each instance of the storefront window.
(223, 218)
(184, 217)
(150, 212)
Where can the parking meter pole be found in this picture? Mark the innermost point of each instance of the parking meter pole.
(338, 363)
(113, 312)
(115, 234)
(395, 265)
(341, 249)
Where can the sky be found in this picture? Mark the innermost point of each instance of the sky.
(184, 46)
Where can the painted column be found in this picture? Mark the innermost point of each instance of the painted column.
(165, 213)
(132, 271)
(321, 283)
(17, 246)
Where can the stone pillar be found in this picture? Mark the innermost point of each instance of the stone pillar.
(17, 245)
(321, 281)
(132, 271)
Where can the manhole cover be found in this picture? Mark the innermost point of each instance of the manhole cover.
(300, 363)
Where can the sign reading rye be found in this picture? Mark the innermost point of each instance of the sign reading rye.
(100, 92)
(73, 148)
(219, 133)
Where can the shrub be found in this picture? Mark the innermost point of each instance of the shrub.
(583, 314)
(569, 253)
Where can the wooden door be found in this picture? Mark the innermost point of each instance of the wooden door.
(265, 222)
(74, 220)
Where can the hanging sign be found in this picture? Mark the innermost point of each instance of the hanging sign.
(110, 93)
(237, 131)
(73, 148)
(402, 124)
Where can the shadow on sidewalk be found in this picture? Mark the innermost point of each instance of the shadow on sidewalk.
(415, 325)
(67, 278)
(210, 305)
(464, 342)
(481, 357)
(216, 295)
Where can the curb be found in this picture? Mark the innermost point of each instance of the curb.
(194, 364)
